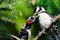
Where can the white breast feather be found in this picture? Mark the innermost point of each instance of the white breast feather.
(44, 19)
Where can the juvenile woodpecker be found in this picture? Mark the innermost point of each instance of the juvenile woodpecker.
(30, 21)
(25, 33)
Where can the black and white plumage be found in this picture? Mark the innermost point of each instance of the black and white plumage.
(45, 19)
(29, 22)
(24, 34)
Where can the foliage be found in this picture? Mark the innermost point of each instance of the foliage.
(17, 11)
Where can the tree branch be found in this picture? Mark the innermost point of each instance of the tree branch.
(33, 2)
(15, 37)
(10, 36)
(46, 29)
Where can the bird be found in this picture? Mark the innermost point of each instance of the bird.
(45, 19)
(25, 32)
(29, 22)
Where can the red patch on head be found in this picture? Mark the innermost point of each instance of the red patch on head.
(28, 22)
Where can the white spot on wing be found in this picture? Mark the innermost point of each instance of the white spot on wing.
(29, 33)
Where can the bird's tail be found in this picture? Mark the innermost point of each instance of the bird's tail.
(56, 31)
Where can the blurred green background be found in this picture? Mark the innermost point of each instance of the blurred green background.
(13, 14)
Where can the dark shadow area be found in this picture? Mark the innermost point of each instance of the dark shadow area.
(7, 27)
(36, 28)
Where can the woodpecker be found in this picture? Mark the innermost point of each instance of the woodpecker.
(45, 19)
(25, 32)
(30, 21)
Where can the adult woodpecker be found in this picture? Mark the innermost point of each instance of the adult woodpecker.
(45, 19)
